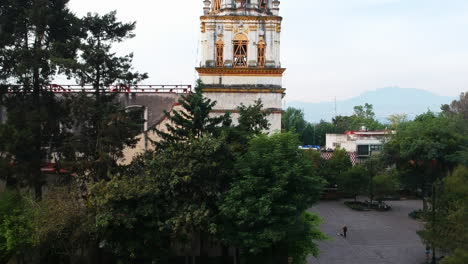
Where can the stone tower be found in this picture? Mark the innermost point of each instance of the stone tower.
(240, 55)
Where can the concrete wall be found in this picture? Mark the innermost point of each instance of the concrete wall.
(243, 80)
(342, 140)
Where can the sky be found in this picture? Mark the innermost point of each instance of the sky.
(331, 48)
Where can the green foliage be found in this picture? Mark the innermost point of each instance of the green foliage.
(457, 107)
(300, 237)
(36, 39)
(427, 148)
(354, 181)
(336, 166)
(131, 215)
(66, 223)
(363, 116)
(194, 121)
(459, 256)
(98, 64)
(16, 225)
(384, 185)
(447, 225)
(397, 120)
(293, 120)
(191, 176)
(103, 129)
(275, 185)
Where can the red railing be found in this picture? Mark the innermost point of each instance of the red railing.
(180, 89)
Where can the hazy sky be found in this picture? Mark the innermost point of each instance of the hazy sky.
(331, 48)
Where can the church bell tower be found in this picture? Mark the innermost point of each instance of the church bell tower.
(240, 56)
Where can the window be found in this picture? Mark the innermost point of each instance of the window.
(264, 4)
(240, 50)
(220, 52)
(363, 150)
(216, 5)
(139, 116)
(261, 53)
(376, 147)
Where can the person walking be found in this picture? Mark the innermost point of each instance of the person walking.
(345, 231)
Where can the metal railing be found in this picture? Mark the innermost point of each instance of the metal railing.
(179, 89)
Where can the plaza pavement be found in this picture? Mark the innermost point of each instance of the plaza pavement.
(373, 237)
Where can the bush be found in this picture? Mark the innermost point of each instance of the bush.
(16, 225)
(358, 206)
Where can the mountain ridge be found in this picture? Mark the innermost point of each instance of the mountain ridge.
(386, 101)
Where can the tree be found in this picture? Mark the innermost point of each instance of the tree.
(98, 65)
(321, 130)
(397, 120)
(383, 185)
(457, 107)
(132, 216)
(103, 127)
(101, 132)
(354, 181)
(425, 149)
(338, 164)
(293, 120)
(194, 121)
(446, 227)
(16, 226)
(274, 186)
(65, 226)
(38, 39)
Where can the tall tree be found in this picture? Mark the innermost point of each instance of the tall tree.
(38, 39)
(293, 120)
(446, 224)
(195, 121)
(426, 149)
(354, 181)
(274, 186)
(102, 126)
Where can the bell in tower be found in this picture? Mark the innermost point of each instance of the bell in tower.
(240, 56)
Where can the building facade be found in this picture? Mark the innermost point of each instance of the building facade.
(363, 143)
(240, 56)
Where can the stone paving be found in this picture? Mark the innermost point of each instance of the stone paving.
(373, 237)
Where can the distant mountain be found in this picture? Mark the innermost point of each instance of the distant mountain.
(386, 101)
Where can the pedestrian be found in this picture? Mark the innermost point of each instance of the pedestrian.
(345, 231)
(428, 254)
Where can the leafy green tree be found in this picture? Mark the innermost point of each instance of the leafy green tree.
(65, 226)
(16, 226)
(101, 134)
(98, 64)
(384, 184)
(354, 181)
(362, 116)
(426, 149)
(293, 119)
(194, 121)
(339, 163)
(38, 39)
(275, 185)
(321, 130)
(396, 120)
(103, 127)
(132, 216)
(446, 227)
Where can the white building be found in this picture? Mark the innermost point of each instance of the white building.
(363, 143)
(240, 55)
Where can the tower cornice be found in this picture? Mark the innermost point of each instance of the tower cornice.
(251, 18)
(205, 71)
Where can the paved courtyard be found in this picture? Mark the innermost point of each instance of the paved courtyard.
(373, 237)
